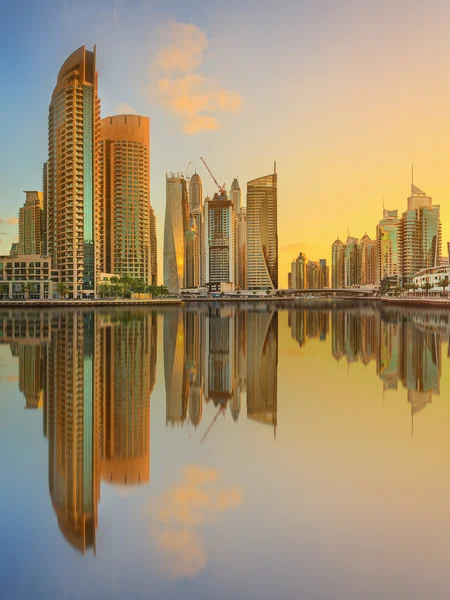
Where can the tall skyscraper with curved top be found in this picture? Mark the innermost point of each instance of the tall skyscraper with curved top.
(175, 226)
(262, 233)
(73, 208)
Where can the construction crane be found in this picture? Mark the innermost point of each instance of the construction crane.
(221, 188)
(220, 411)
(185, 175)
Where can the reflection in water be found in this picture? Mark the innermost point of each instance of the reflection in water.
(218, 355)
(92, 374)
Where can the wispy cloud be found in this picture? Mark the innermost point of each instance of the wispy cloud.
(191, 96)
(3, 233)
(125, 109)
(293, 248)
(180, 513)
(13, 221)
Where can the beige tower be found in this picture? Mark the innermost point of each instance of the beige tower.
(125, 221)
(31, 220)
(73, 208)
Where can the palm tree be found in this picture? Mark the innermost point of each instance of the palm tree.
(104, 289)
(28, 288)
(427, 286)
(268, 291)
(62, 290)
(443, 282)
(139, 286)
(127, 282)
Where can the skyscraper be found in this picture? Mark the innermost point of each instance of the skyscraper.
(241, 249)
(31, 222)
(262, 233)
(73, 208)
(219, 245)
(298, 272)
(368, 260)
(124, 178)
(153, 248)
(45, 207)
(192, 262)
(175, 227)
(351, 262)
(420, 235)
(337, 264)
(196, 208)
(388, 245)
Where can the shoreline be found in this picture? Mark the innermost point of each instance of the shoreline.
(85, 303)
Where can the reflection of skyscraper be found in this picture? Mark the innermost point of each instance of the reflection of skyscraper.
(177, 387)
(220, 348)
(31, 372)
(262, 365)
(193, 331)
(262, 233)
(126, 379)
(175, 227)
(73, 427)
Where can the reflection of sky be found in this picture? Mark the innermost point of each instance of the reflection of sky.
(344, 504)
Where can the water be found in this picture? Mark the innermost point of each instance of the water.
(225, 453)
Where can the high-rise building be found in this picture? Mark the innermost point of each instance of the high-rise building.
(298, 272)
(241, 249)
(368, 260)
(192, 262)
(262, 233)
(337, 264)
(73, 207)
(235, 196)
(420, 235)
(324, 273)
(388, 245)
(124, 182)
(45, 207)
(153, 248)
(351, 262)
(196, 208)
(219, 244)
(31, 221)
(175, 227)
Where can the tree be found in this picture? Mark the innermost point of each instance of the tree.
(427, 286)
(62, 290)
(28, 289)
(139, 286)
(104, 290)
(443, 282)
(127, 282)
(397, 290)
(415, 287)
(268, 291)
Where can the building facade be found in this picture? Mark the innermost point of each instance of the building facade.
(192, 262)
(420, 235)
(196, 208)
(27, 276)
(262, 233)
(337, 264)
(298, 272)
(175, 227)
(73, 199)
(241, 249)
(388, 245)
(31, 223)
(368, 261)
(219, 242)
(124, 182)
(153, 248)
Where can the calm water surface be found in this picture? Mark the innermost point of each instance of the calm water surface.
(225, 453)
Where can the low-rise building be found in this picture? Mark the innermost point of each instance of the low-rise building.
(27, 276)
(433, 276)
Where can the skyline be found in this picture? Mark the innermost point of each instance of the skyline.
(340, 105)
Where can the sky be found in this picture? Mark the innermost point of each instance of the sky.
(345, 95)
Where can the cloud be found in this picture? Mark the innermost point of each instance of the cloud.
(125, 109)
(293, 248)
(3, 233)
(180, 513)
(13, 221)
(186, 93)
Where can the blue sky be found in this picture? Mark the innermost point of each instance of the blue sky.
(344, 94)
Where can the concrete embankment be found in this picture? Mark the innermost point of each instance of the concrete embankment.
(86, 303)
(419, 302)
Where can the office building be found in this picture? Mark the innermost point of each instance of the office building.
(337, 264)
(175, 227)
(219, 243)
(196, 208)
(124, 182)
(73, 207)
(262, 233)
(298, 272)
(420, 235)
(368, 260)
(27, 276)
(153, 248)
(45, 208)
(241, 249)
(192, 262)
(388, 245)
(31, 222)
(351, 262)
